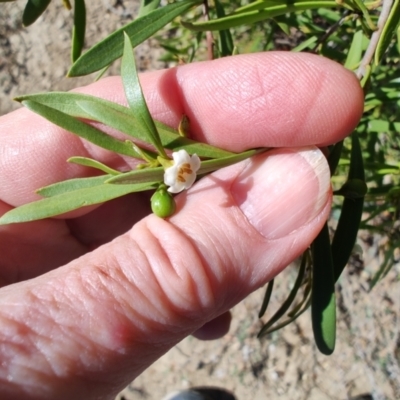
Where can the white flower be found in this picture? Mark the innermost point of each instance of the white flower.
(182, 174)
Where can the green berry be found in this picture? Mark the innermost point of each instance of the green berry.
(162, 203)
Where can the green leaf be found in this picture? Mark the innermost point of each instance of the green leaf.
(388, 31)
(289, 300)
(33, 10)
(323, 302)
(111, 48)
(258, 5)
(205, 168)
(334, 156)
(398, 40)
(68, 201)
(78, 31)
(71, 185)
(274, 9)
(147, 6)
(355, 52)
(138, 176)
(120, 117)
(360, 4)
(136, 101)
(267, 298)
(212, 165)
(225, 37)
(379, 125)
(81, 129)
(89, 162)
(388, 262)
(310, 42)
(350, 217)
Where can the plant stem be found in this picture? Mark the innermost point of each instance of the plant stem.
(209, 35)
(369, 53)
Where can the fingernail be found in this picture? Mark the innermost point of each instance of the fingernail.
(282, 190)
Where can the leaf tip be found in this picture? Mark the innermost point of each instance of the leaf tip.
(187, 25)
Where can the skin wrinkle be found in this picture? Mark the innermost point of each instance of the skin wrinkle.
(83, 344)
(229, 105)
(280, 95)
(225, 260)
(75, 337)
(193, 275)
(35, 370)
(57, 358)
(104, 285)
(201, 265)
(146, 323)
(156, 299)
(121, 315)
(307, 122)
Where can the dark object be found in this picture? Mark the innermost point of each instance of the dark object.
(201, 393)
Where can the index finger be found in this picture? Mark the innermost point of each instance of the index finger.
(258, 100)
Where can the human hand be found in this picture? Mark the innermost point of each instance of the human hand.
(88, 302)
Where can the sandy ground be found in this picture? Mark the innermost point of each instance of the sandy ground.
(285, 365)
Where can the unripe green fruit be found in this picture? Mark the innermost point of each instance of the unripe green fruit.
(162, 203)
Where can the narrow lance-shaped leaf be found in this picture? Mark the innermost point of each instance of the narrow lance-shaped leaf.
(225, 37)
(121, 118)
(81, 129)
(147, 6)
(350, 217)
(71, 185)
(360, 4)
(310, 42)
(388, 262)
(33, 10)
(289, 301)
(65, 202)
(136, 101)
(205, 168)
(304, 301)
(212, 165)
(267, 298)
(78, 30)
(355, 52)
(89, 162)
(138, 176)
(259, 5)
(250, 17)
(388, 31)
(323, 301)
(334, 156)
(111, 48)
(290, 319)
(398, 39)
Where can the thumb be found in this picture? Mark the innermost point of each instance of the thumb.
(88, 328)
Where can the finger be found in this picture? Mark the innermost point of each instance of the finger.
(88, 328)
(273, 99)
(215, 328)
(258, 100)
(30, 249)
